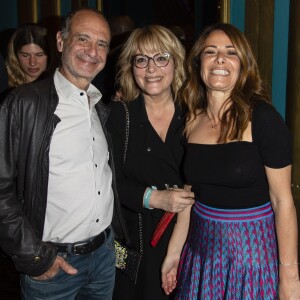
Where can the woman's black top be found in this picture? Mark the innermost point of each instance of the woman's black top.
(149, 162)
(232, 175)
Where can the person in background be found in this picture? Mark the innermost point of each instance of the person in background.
(120, 26)
(105, 81)
(57, 180)
(239, 240)
(31, 53)
(151, 72)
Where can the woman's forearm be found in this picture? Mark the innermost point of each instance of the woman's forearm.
(287, 237)
(180, 232)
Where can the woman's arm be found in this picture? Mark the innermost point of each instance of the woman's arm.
(176, 243)
(286, 230)
(132, 192)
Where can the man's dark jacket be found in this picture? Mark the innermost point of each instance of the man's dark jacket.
(27, 122)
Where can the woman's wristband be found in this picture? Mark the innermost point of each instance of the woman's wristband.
(147, 195)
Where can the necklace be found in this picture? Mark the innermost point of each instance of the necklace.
(213, 124)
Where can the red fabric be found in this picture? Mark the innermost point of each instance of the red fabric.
(161, 227)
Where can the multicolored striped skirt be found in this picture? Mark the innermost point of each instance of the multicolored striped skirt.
(229, 254)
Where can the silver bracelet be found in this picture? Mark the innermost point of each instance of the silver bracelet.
(289, 264)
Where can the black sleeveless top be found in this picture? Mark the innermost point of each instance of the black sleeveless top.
(232, 175)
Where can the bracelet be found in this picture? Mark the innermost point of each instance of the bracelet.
(289, 264)
(146, 198)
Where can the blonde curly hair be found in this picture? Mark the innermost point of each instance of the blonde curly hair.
(152, 38)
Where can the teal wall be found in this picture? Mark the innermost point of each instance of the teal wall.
(8, 14)
(65, 7)
(237, 13)
(280, 54)
(280, 46)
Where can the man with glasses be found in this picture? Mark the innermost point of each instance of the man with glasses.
(56, 175)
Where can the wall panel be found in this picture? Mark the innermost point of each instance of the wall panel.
(28, 11)
(293, 96)
(259, 26)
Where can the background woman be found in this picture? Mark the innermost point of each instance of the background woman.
(238, 163)
(151, 73)
(31, 53)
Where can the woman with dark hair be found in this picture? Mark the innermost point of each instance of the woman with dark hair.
(239, 240)
(31, 53)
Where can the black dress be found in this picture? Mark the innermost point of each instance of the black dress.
(149, 162)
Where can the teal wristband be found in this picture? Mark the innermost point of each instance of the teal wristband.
(147, 196)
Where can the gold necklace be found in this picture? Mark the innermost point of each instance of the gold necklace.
(213, 124)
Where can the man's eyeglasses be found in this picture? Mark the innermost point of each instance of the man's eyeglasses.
(160, 60)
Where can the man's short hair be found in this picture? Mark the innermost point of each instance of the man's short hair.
(66, 25)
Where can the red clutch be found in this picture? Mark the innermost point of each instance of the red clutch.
(161, 227)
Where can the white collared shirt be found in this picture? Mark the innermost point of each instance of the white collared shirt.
(80, 196)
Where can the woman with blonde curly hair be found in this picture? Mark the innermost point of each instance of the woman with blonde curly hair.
(31, 53)
(151, 72)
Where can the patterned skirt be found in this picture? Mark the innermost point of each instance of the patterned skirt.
(229, 254)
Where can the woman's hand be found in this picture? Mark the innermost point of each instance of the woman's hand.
(171, 262)
(169, 273)
(172, 200)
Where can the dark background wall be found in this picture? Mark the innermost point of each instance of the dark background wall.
(191, 15)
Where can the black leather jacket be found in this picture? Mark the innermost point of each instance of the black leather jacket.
(27, 122)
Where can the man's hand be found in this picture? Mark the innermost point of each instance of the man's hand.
(59, 263)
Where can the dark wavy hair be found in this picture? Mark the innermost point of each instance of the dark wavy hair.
(24, 35)
(247, 90)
